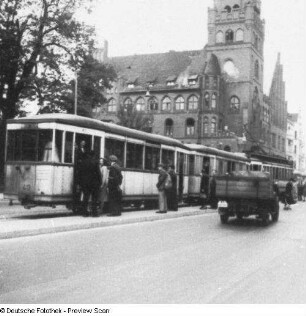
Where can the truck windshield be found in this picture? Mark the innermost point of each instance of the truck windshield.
(31, 145)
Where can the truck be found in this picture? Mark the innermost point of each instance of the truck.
(242, 194)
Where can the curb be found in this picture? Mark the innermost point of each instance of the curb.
(99, 224)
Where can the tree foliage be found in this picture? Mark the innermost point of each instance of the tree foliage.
(130, 117)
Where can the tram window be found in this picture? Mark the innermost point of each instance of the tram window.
(191, 165)
(45, 145)
(114, 147)
(14, 146)
(29, 149)
(151, 158)
(68, 147)
(167, 157)
(86, 138)
(180, 163)
(97, 146)
(58, 146)
(134, 155)
(206, 165)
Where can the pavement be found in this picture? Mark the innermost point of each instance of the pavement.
(15, 221)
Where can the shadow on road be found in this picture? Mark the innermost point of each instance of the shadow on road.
(246, 224)
(45, 216)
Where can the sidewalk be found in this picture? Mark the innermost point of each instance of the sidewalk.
(16, 222)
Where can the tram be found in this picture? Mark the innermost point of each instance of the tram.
(40, 158)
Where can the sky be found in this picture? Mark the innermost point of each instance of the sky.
(152, 26)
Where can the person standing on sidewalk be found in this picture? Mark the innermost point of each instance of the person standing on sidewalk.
(114, 190)
(162, 199)
(104, 169)
(90, 181)
(172, 192)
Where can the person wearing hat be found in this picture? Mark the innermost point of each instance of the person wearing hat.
(162, 198)
(114, 190)
(289, 194)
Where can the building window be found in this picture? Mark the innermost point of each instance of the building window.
(239, 35)
(295, 135)
(205, 125)
(169, 127)
(112, 106)
(219, 37)
(140, 104)
(127, 103)
(213, 126)
(153, 104)
(229, 36)
(273, 140)
(234, 104)
(213, 100)
(228, 9)
(256, 69)
(180, 104)
(190, 127)
(192, 103)
(206, 100)
(166, 104)
(236, 7)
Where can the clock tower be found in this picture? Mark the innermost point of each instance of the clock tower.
(236, 38)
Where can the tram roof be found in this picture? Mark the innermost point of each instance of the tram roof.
(86, 122)
(218, 152)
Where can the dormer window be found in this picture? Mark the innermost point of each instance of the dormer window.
(236, 7)
(131, 83)
(228, 9)
(171, 81)
(193, 80)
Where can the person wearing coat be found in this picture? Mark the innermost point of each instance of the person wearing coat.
(162, 198)
(304, 190)
(104, 169)
(172, 192)
(90, 182)
(114, 190)
(204, 189)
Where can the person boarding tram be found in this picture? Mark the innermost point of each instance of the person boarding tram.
(104, 169)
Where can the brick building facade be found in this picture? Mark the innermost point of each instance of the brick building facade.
(212, 96)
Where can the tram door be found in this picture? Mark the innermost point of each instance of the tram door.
(180, 171)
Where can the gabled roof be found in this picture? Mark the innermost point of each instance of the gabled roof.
(158, 66)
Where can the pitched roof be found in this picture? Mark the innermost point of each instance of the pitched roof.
(158, 67)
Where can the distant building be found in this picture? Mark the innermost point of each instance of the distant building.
(213, 96)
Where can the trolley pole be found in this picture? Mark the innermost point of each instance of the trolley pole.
(76, 94)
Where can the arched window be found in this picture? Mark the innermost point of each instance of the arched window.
(227, 148)
(153, 104)
(213, 100)
(206, 100)
(256, 42)
(239, 35)
(192, 103)
(236, 7)
(205, 125)
(190, 127)
(228, 9)
(256, 69)
(219, 37)
(127, 103)
(166, 104)
(234, 104)
(180, 104)
(112, 106)
(169, 127)
(140, 104)
(213, 126)
(229, 36)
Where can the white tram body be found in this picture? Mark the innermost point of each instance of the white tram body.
(40, 157)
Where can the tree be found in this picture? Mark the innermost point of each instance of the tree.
(93, 78)
(40, 41)
(130, 117)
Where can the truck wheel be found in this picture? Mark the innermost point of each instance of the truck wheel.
(275, 212)
(224, 219)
